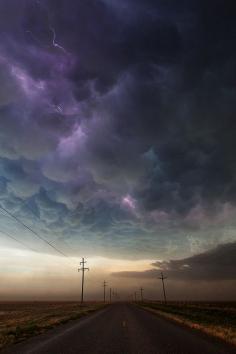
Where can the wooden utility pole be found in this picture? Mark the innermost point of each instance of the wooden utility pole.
(163, 286)
(115, 294)
(110, 294)
(141, 293)
(104, 290)
(82, 263)
(135, 296)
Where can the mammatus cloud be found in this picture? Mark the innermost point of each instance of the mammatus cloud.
(216, 264)
(117, 123)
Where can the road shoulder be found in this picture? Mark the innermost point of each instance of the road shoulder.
(198, 329)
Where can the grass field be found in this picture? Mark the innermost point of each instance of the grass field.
(21, 320)
(214, 318)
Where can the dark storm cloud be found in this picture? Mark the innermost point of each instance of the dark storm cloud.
(120, 116)
(216, 264)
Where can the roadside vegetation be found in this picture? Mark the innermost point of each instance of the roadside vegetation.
(21, 320)
(217, 319)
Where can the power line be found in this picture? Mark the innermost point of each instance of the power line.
(24, 203)
(35, 233)
(33, 212)
(15, 239)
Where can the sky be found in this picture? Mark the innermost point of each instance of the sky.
(117, 144)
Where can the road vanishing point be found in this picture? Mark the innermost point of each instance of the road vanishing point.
(121, 328)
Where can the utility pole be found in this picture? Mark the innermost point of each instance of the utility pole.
(141, 293)
(115, 294)
(110, 294)
(82, 263)
(104, 290)
(163, 285)
(135, 296)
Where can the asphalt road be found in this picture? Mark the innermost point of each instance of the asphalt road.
(121, 329)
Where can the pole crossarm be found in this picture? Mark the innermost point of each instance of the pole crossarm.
(83, 267)
(162, 277)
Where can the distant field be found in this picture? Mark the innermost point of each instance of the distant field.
(214, 318)
(21, 320)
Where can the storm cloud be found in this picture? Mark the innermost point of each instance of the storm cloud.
(117, 124)
(216, 264)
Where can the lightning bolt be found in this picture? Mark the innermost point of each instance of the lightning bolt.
(54, 43)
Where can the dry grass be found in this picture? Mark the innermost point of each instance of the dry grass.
(215, 319)
(21, 320)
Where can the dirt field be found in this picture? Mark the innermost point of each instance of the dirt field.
(214, 318)
(20, 320)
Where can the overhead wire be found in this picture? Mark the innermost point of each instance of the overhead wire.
(34, 213)
(34, 232)
(15, 239)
